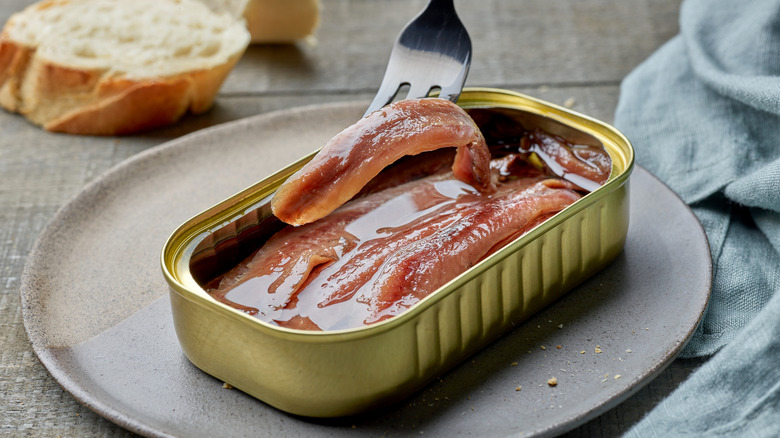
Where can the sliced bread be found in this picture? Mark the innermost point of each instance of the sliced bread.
(108, 67)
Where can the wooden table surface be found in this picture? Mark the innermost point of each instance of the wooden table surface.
(572, 52)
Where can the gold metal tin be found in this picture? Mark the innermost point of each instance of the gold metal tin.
(337, 373)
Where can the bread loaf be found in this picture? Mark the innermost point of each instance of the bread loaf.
(273, 21)
(108, 67)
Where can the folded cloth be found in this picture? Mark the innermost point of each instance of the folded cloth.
(703, 113)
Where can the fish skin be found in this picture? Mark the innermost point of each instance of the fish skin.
(423, 266)
(357, 154)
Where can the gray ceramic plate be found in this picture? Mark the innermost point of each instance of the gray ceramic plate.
(97, 313)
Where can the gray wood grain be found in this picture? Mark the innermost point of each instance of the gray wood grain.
(565, 50)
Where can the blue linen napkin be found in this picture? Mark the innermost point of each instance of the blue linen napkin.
(703, 113)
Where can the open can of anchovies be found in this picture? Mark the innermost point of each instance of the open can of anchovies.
(347, 371)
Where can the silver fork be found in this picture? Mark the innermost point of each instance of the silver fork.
(432, 52)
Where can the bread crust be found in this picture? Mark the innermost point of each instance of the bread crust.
(279, 21)
(13, 64)
(273, 21)
(68, 99)
(116, 106)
